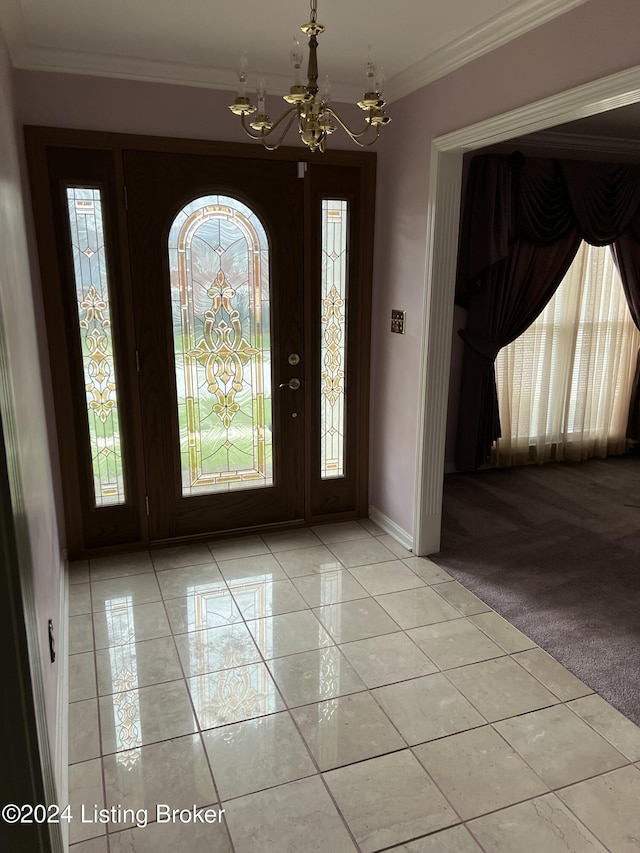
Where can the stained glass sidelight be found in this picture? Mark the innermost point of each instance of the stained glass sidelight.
(333, 337)
(94, 314)
(219, 268)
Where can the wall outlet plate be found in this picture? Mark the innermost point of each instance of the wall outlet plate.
(398, 321)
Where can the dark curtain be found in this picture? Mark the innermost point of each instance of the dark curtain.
(513, 294)
(626, 251)
(522, 225)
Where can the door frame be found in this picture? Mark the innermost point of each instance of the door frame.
(30, 776)
(443, 220)
(38, 140)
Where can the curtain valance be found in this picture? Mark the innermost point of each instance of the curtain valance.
(541, 201)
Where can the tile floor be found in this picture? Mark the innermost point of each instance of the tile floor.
(331, 692)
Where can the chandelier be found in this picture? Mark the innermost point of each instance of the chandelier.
(316, 120)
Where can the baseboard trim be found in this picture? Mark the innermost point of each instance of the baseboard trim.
(390, 527)
(61, 766)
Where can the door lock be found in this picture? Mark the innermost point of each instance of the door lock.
(294, 358)
(294, 384)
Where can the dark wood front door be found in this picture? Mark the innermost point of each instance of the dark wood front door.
(218, 281)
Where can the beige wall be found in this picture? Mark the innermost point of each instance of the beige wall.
(33, 500)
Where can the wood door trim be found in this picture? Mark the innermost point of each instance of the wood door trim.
(50, 171)
(130, 335)
(42, 136)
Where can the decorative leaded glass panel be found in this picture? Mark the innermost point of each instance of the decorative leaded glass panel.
(333, 337)
(219, 268)
(94, 313)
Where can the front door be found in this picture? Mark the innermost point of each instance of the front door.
(208, 316)
(217, 278)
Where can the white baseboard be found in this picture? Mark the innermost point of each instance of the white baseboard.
(390, 527)
(61, 760)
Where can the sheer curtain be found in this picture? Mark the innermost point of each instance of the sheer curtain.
(564, 385)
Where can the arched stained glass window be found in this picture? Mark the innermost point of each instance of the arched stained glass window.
(219, 268)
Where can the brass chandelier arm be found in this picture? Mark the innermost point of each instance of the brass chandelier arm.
(248, 131)
(275, 145)
(355, 135)
(292, 111)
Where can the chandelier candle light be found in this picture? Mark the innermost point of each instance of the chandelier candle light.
(314, 115)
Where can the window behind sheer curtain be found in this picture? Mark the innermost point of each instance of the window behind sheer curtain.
(564, 385)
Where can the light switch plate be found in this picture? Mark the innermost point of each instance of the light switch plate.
(398, 320)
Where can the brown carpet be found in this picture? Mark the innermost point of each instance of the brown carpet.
(555, 549)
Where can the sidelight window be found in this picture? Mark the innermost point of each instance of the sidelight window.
(92, 283)
(333, 315)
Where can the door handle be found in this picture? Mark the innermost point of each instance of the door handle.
(294, 384)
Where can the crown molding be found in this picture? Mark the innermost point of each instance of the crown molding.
(31, 58)
(484, 38)
(608, 93)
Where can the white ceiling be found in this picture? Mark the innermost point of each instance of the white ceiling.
(198, 42)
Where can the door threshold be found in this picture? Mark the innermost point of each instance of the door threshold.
(214, 536)
(227, 534)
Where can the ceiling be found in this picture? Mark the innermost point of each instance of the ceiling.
(198, 42)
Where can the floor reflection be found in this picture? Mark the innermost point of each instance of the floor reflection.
(124, 679)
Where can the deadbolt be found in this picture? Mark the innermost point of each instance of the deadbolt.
(294, 384)
(294, 358)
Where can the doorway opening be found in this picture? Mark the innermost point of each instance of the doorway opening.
(445, 181)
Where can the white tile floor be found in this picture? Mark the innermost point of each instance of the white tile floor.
(330, 692)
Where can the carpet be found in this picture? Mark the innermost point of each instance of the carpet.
(555, 549)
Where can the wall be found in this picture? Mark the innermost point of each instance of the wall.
(34, 506)
(586, 44)
(590, 42)
(129, 106)
(124, 106)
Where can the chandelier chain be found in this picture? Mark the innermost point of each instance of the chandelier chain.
(316, 120)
